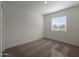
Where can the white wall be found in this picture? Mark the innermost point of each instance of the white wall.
(72, 34)
(0, 28)
(21, 26)
(3, 28)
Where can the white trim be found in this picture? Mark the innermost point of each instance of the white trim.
(1, 28)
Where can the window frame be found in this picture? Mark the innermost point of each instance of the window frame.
(58, 26)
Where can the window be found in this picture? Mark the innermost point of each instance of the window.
(58, 24)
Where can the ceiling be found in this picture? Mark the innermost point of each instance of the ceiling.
(40, 7)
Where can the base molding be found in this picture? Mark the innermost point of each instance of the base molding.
(61, 42)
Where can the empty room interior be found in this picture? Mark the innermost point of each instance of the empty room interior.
(39, 28)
